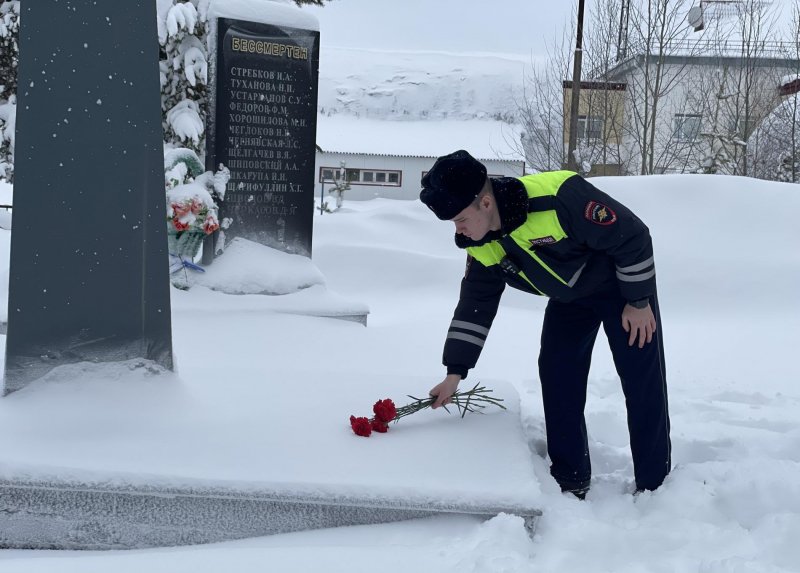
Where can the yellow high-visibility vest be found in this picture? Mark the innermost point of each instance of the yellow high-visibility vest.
(538, 225)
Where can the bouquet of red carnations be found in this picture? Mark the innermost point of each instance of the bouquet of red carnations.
(474, 400)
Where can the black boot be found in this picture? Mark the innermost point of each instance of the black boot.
(579, 492)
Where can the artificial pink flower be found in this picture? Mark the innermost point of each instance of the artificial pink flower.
(180, 225)
(210, 225)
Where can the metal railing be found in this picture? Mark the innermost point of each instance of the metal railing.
(707, 49)
(727, 48)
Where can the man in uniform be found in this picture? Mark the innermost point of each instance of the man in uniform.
(555, 234)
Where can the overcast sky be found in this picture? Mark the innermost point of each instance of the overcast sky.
(522, 27)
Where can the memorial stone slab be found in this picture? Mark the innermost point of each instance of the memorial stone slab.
(263, 128)
(88, 276)
(68, 514)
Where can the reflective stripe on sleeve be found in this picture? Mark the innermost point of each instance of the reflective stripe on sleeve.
(636, 278)
(637, 267)
(466, 338)
(470, 326)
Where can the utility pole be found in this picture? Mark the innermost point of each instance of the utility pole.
(572, 165)
(622, 38)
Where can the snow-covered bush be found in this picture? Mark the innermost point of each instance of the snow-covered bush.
(181, 166)
(718, 159)
(9, 59)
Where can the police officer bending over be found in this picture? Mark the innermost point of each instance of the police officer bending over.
(555, 234)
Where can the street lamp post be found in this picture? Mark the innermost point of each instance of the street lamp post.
(572, 163)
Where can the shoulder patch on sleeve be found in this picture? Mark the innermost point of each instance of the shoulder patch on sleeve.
(599, 214)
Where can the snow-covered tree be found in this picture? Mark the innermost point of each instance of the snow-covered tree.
(773, 148)
(777, 142)
(720, 136)
(9, 50)
(182, 33)
(338, 190)
(9, 58)
(540, 108)
(789, 168)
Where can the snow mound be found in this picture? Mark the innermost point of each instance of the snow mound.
(250, 268)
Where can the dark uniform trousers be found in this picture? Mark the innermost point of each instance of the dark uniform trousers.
(568, 335)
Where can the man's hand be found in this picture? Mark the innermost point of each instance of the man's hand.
(639, 322)
(445, 390)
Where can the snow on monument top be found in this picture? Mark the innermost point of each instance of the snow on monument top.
(275, 12)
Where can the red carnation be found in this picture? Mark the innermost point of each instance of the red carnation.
(385, 410)
(378, 426)
(474, 400)
(179, 225)
(361, 426)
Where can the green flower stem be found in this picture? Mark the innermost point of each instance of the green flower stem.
(473, 400)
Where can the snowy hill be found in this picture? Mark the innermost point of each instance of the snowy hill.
(418, 85)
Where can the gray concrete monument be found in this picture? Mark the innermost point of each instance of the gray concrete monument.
(89, 276)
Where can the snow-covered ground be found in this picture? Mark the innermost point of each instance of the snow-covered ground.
(265, 396)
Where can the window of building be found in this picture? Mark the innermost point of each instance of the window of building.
(382, 177)
(686, 126)
(329, 174)
(590, 127)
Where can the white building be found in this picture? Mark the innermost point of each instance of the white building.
(385, 158)
(688, 103)
(706, 112)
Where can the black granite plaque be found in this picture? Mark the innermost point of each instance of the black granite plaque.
(89, 271)
(264, 130)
